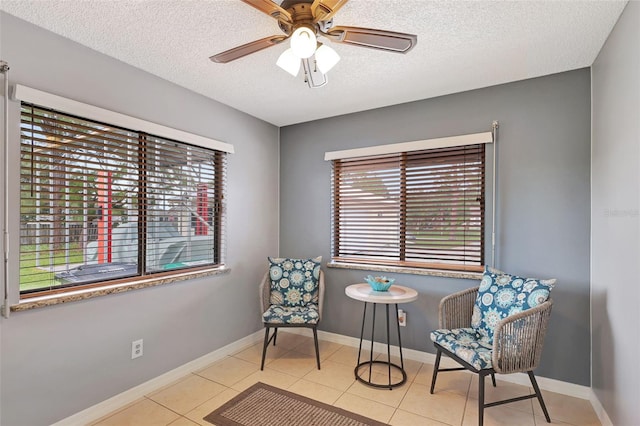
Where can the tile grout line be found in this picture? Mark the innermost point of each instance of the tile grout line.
(341, 393)
(466, 401)
(165, 407)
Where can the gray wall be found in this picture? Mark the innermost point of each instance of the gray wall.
(615, 263)
(543, 201)
(59, 360)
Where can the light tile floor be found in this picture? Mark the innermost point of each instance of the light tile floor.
(291, 365)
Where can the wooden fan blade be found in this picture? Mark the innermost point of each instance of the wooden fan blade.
(375, 39)
(271, 9)
(246, 49)
(323, 10)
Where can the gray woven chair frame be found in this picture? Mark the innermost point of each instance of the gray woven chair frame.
(265, 295)
(517, 345)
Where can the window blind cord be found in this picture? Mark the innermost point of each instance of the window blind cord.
(494, 131)
(4, 69)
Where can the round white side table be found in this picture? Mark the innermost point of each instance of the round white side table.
(395, 295)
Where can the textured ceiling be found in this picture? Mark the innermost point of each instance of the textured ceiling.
(462, 45)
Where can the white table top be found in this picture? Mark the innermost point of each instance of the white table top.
(396, 294)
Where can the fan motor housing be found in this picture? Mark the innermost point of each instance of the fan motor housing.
(301, 14)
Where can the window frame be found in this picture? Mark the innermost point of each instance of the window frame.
(218, 149)
(402, 150)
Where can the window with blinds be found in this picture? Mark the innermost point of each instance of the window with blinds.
(422, 209)
(99, 203)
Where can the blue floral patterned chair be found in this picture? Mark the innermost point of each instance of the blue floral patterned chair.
(498, 327)
(291, 295)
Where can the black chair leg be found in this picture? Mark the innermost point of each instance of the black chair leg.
(435, 370)
(493, 379)
(481, 399)
(315, 340)
(275, 335)
(534, 383)
(264, 346)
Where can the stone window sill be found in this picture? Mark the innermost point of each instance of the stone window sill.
(404, 270)
(73, 296)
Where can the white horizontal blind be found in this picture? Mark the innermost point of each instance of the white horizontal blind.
(183, 204)
(415, 209)
(100, 203)
(70, 168)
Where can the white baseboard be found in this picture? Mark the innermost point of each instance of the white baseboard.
(552, 385)
(377, 347)
(102, 409)
(599, 409)
(116, 402)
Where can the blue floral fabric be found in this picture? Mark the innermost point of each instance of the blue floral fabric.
(291, 315)
(466, 343)
(294, 282)
(501, 295)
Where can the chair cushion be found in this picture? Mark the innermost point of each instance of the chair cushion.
(294, 282)
(467, 344)
(501, 295)
(291, 315)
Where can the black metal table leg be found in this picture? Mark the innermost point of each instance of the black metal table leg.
(364, 315)
(388, 346)
(399, 339)
(373, 328)
(388, 362)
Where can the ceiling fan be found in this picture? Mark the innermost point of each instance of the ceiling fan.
(303, 21)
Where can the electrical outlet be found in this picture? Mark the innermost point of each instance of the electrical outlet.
(136, 349)
(402, 318)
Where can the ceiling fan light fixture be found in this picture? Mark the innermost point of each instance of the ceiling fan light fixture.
(289, 62)
(302, 21)
(326, 58)
(303, 42)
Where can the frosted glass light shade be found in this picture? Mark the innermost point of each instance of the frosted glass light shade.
(289, 62)
(303, 42)
(326, 58)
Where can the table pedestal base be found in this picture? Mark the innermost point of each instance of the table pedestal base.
(390, 298)
(389, 385)
(369, 382)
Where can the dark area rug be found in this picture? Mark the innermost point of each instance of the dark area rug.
(264, 405)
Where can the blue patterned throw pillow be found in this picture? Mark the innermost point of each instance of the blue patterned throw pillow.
(501, 295)
(294, 282)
